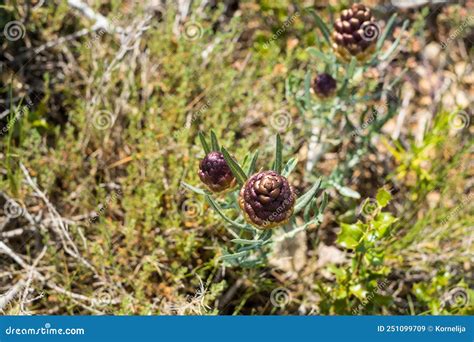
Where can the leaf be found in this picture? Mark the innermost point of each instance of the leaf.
(278, 154)
(396, 42)
(386, 32)
(214, 143)
(348, 192)
(246, 242)
(218, 209)
(320, 55)
(358, 291)
(204, 144)
(304, 200)
(350, 235)
(289, 167)
(351, 68)
(231, 257)
(237, 171)
(383, 197)
(324, 203)
(382, 223)
(253, 164)
(320, 24)
(194, 189)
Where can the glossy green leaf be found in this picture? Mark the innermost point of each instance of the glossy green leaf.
(383, 197)
(350, 235)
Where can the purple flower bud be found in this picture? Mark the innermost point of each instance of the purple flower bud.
(324, 85)
(215, 173)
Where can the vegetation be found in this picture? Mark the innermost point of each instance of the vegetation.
(103, 118)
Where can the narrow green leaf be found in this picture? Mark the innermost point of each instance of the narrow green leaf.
(396, 42)
(237, 171)
(278, 154)
(219, 211)
(204, 144)
(320, 24)
(246, 242)
(253, 164)
(319, 54)
(304, 200)
(307, 210)
(289, 167)
(386, 32)
(194, 189)
(230, 257)
(351, 68)
(214, 143)
(324, 202)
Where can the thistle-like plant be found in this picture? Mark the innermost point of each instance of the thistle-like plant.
(263, 202)
(344, 106)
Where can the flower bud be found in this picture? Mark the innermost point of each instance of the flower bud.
(215, 173)
(324, 85)
(355, 33)
(267, 200)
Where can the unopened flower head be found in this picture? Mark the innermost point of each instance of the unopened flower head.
(267, 200)
(355, 33)
(324, 85)
(215, 173)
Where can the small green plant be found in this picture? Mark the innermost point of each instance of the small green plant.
(262, 201)
(359, 288)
